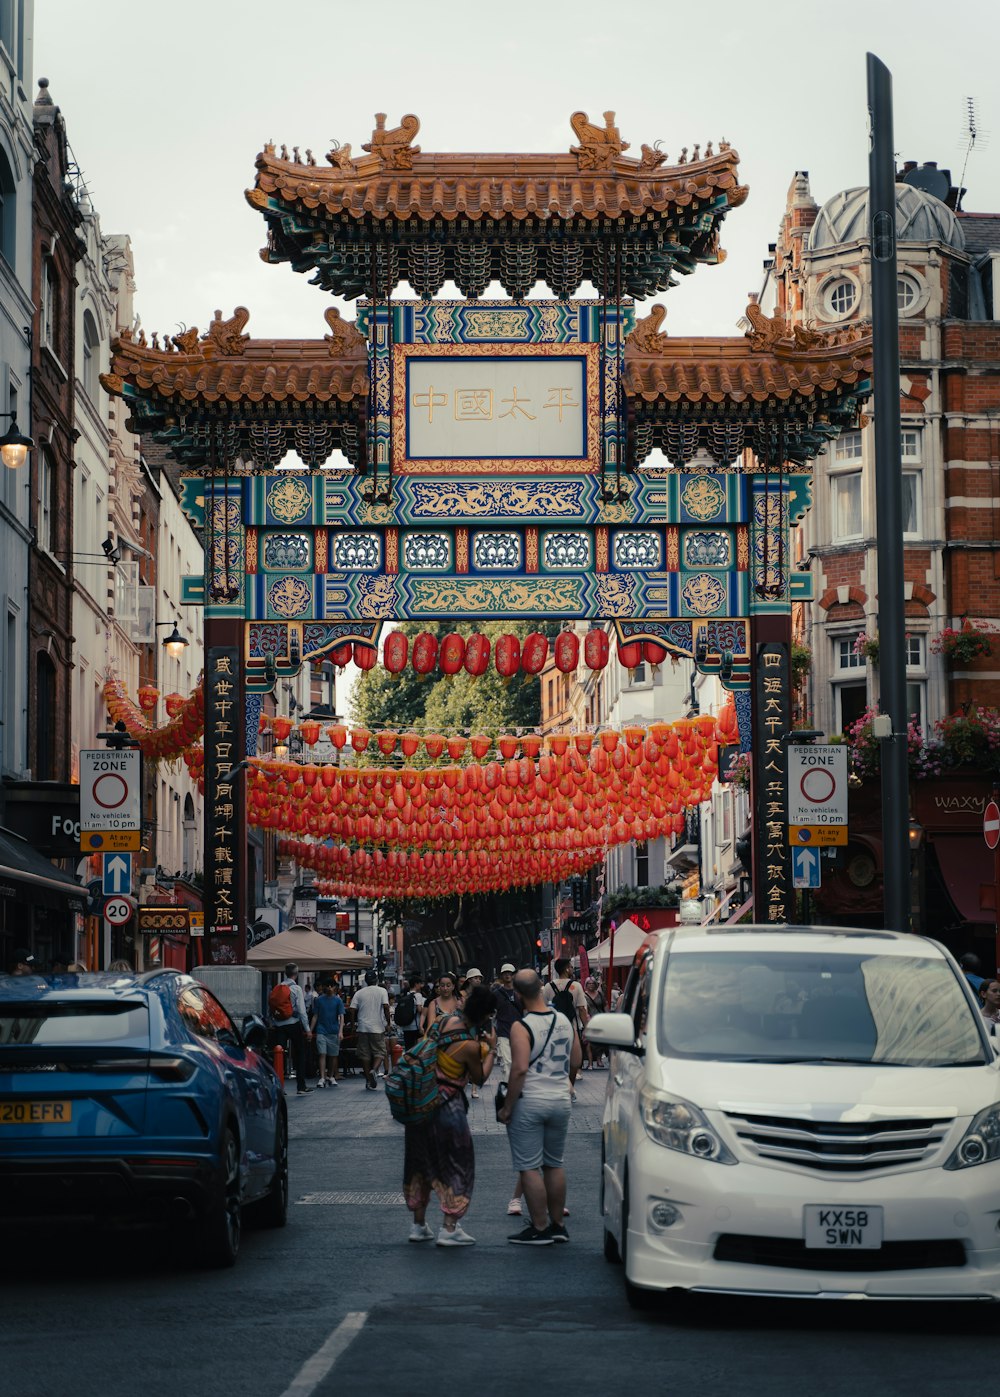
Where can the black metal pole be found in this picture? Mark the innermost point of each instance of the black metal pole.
(889, 499)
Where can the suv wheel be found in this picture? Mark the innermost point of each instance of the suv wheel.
(223, 1221)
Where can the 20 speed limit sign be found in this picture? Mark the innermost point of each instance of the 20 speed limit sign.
(117, 910)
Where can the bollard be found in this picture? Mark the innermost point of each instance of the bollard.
(279, 1062)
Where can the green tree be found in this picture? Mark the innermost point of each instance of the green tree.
(450, 703)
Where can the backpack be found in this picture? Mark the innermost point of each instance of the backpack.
(406, 1011)
(412, 1086)
(279, 1002)
(562, 1000)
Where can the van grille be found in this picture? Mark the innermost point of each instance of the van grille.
(840, 1146)
(792, 1254)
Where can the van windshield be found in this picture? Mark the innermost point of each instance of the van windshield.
(902, 1011)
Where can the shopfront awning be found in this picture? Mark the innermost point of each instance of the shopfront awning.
(27, 874)
(966, 864)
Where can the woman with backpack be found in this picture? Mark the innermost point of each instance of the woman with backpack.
(439, 1155)
(445, 1001)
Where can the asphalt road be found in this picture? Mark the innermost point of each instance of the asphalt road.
(339, 1303)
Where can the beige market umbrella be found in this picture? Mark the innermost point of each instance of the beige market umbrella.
(308, 949)
(628, 938)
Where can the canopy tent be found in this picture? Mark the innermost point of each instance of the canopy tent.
(628, 938)
(308, 949)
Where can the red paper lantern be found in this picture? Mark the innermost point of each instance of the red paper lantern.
(534, 653)
(341, 655)
(386, 742)
(147, 697)
(281, 727)
(425, 652)
(174, 704)
(337, 734)
(596, 649)
(456, 746)
(310, 732)
(630, 654)
(452, 653)
(365, 656)
(395, 652)
(409, 742)
(477, 655)
(360, 738)
(507, 655)
(566, 651)
(653, 653)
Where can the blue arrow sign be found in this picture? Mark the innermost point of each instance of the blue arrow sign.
(117, 874)
(806, 868)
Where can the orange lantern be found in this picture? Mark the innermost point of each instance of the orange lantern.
(409, 742)
(534, 653)
(281, 727)
(147, 697)
(425, 652)
(434, 745)
(387, 742)
(360, 738)
(395, 652)
(452, 653)
(310, 732)
(596, 649)
(174, 704)
(337, 734)
(566, 651)
(507, 655)
(456, 747)
(341, 654)
(480, 746)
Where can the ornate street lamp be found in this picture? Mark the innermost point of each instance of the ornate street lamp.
(14, 445)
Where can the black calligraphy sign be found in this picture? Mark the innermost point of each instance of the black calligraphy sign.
(225, 815)
(772, 718)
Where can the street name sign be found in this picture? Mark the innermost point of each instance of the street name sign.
(817, 784)
(991, 824)
(117, 874)
(806, 868)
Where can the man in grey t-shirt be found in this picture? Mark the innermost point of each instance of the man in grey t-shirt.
(370, 1007)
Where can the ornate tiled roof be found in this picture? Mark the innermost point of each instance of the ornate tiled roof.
(626, 224)
(773, 360)
(224, 365)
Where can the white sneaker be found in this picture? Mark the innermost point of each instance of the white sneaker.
(320, 1084)
(332, 1082)
(380, 1073)
(458, 1238)
(514, 1208)
(420, 1232)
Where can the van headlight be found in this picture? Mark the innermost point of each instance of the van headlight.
(980, 1143)
(678, 1125)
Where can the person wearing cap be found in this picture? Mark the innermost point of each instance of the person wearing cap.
(22, 962)
(473, 978)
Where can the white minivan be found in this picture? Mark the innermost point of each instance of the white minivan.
(800, 1111)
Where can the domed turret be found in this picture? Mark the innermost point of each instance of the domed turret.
(920, 218)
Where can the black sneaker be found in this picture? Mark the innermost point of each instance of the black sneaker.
(303, 1091)
(557, 1232)
(531, 1237)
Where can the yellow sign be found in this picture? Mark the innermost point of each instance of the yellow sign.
(197, 923)
(816, 836)
(116, 841)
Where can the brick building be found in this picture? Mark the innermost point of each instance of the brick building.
(950, 408)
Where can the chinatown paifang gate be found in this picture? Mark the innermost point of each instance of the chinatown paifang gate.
(476, 460)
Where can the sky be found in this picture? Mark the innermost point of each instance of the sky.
(167, 106)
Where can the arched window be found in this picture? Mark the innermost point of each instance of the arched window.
(8, 210)
(190, 852)
(91, 357)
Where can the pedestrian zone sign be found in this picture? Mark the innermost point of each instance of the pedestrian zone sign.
(110, 792)
(817, 784)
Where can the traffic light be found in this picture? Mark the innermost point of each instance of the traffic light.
(351, 944)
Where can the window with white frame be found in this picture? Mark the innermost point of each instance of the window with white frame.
(49, 298)
(8, 210)
(91, 357)
(845, 506)
(848, 447)
(846, 652)
(911, 504)
(915, 702)
(850, 702)
(638, 675)
(46, 499)
(907, 294)
(914, 650)
(909, 444)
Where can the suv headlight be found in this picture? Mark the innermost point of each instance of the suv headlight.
(980, 1143)
(678, 1125)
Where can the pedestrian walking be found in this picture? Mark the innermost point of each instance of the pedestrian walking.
(370, 1007)
(473, 979)
(444, 1001)
(545, 1049)
(564, 993)
(595, 1005)
(439, 1155)
(327, 1016)
(409, 1012)
(289, 1024)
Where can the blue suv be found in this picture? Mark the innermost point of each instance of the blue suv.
(135, 1098)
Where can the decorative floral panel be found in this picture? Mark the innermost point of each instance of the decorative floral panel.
(706, 549)
(283, 551)
(562, 550)
(494, 551)
(640, 549)
(426, 552)
(356, 552)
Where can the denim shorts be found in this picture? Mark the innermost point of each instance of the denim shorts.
(328, 1044)
(537, 1133)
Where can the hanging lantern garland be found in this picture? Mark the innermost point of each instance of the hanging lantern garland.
(167, 743)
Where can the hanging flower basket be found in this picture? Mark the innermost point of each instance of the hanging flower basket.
(866, 646)
(959, 647)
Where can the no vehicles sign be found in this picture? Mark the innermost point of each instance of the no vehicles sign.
(110, 791)
(817, 785)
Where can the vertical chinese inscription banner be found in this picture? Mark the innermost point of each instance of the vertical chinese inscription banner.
(225, 807)
(771, 723)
